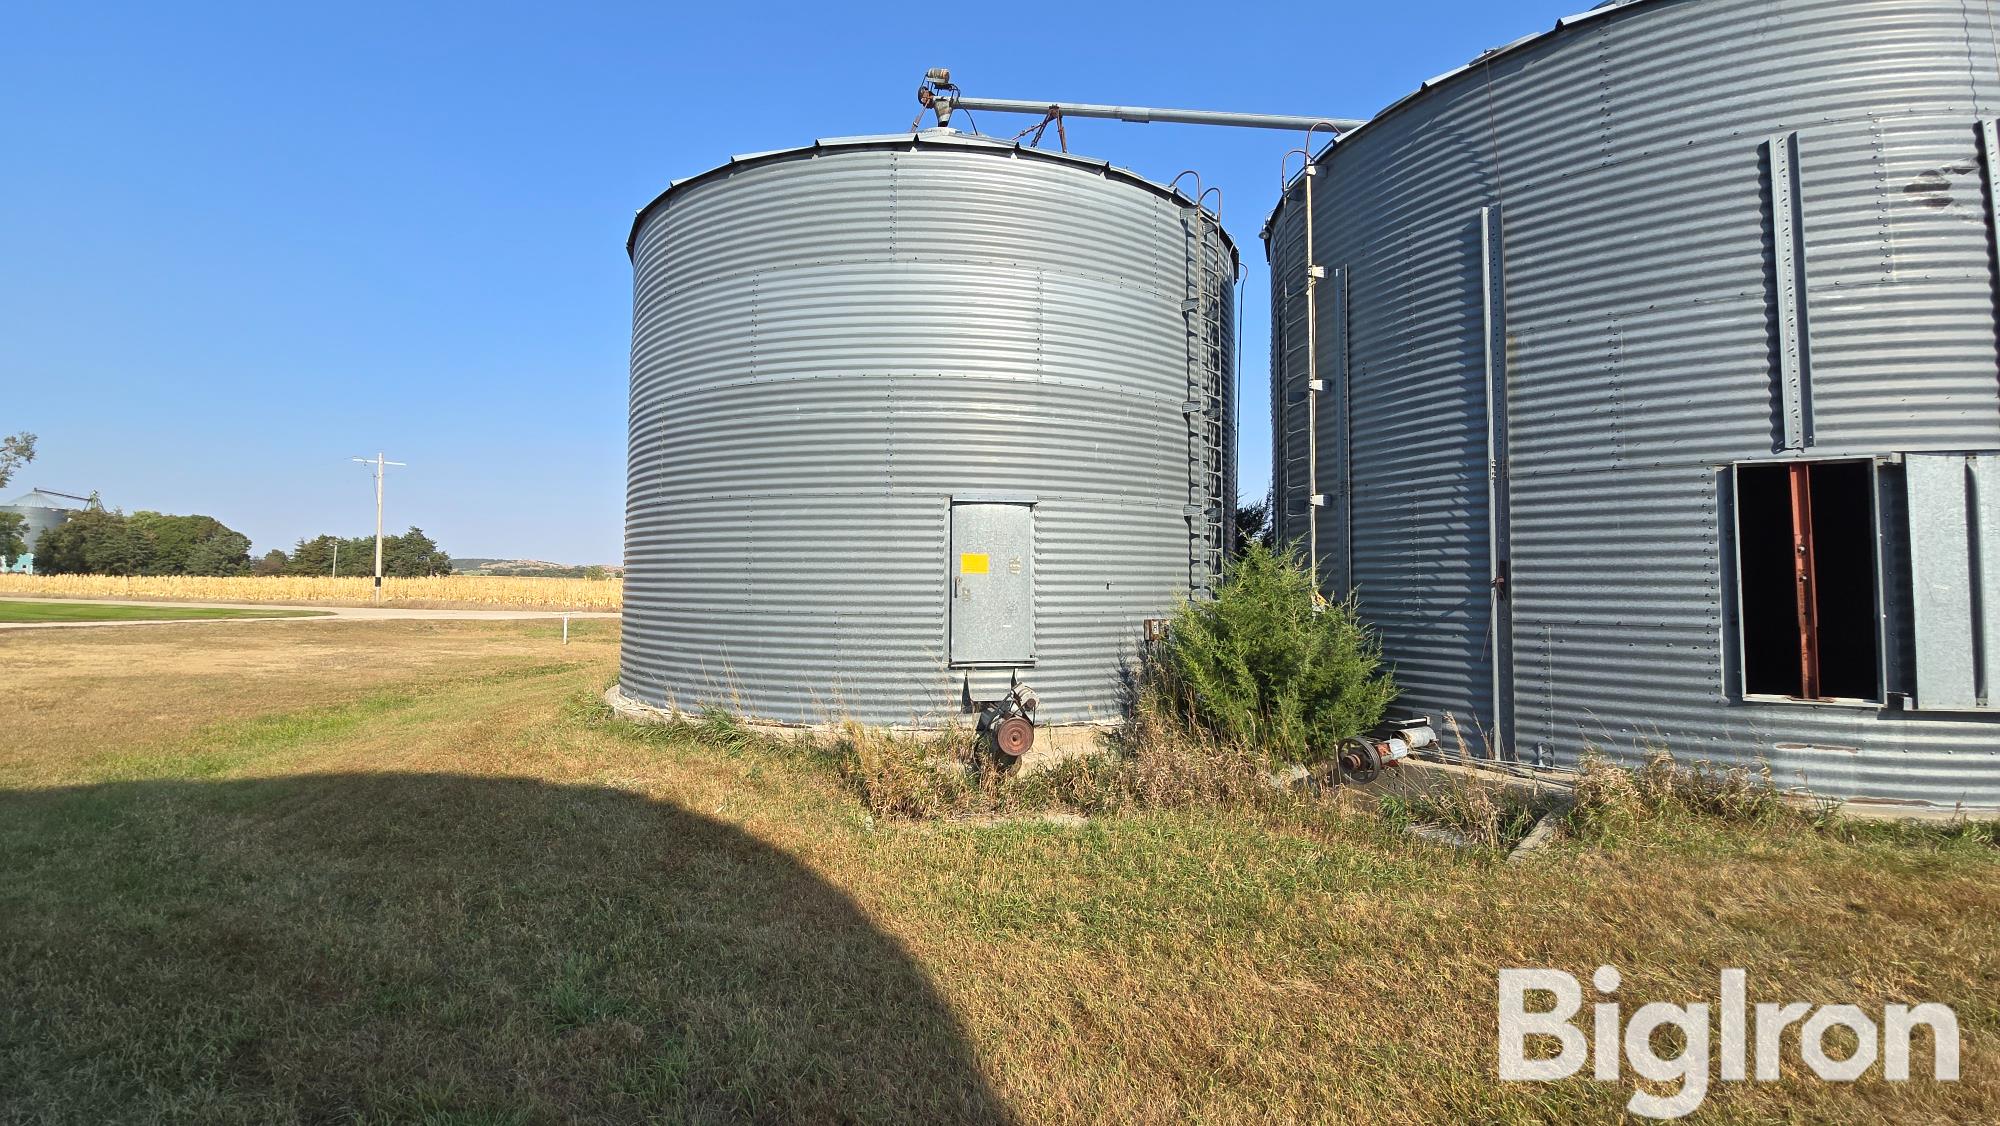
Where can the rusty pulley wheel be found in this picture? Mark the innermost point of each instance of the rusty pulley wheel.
(1359, 761)
(1014, 736)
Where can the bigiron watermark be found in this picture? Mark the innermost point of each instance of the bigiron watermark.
(1750, 1043)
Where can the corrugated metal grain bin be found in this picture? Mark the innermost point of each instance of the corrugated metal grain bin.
(914, 419)
(1662, 394)
(41, 511)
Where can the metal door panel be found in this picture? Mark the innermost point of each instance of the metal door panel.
(1953, 519)
(992, 568)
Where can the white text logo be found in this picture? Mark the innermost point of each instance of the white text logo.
(1748, 1047)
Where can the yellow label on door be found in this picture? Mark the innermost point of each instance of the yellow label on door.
(972, 563)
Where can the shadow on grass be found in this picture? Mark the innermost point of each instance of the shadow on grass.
(444, 948)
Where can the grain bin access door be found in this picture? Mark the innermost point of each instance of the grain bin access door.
(992, 583)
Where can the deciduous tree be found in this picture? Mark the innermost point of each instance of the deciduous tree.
(13, 537)
(94, 541)
(16, 450)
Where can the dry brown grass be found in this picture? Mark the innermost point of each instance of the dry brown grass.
(420, 873)
(76, 701)
(470, 592)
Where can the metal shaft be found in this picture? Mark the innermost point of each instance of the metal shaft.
(1146, 114)
(1805, 574)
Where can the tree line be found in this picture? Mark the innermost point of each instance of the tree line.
(410, 555)
(100, 541)
(97, 541)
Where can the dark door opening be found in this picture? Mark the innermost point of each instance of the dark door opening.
(1805, 542)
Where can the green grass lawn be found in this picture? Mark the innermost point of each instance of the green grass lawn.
(396, 872)
(18, 611)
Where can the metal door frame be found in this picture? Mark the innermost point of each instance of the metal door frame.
(1878, 545)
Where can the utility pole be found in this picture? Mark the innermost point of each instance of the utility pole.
(380, 465)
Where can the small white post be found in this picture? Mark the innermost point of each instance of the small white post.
(565, 629)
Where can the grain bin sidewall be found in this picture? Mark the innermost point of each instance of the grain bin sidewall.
(1626, 154)
(831, 344)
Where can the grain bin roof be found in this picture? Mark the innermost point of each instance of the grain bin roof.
(926, 139)
(42, 498)
(1610, 7)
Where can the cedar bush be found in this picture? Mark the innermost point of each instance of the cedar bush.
(1257, 666)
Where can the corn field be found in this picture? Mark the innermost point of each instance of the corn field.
(470, 592)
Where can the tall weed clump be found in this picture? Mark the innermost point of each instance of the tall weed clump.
(1611, 800)
(1157, 762)
(916, 776)
(1256, 666)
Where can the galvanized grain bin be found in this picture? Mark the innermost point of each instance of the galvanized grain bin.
(41, 511)
(1661, 390)
(915, 420)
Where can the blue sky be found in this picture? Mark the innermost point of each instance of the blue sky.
(242, 243)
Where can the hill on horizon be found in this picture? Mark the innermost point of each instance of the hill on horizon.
(533, 568)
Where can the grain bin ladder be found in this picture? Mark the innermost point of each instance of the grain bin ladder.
(1208, 510)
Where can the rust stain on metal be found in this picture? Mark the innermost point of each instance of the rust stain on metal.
(1932, 187)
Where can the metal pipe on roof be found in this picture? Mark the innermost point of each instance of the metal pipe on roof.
(1143, 115)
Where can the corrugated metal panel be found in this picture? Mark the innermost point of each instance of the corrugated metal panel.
(1414, 425)
(828, 344)
(1627, 151)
